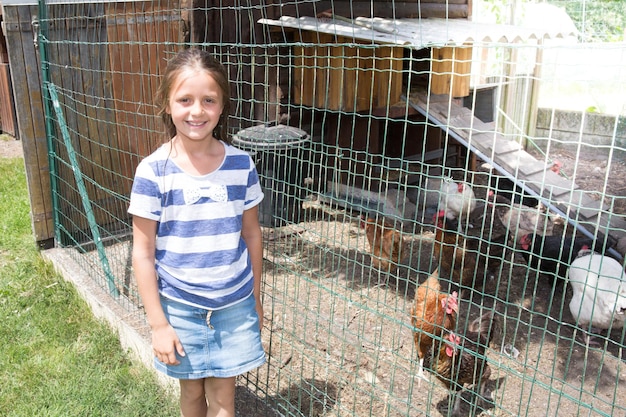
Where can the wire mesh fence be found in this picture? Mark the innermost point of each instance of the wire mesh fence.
(366, 120)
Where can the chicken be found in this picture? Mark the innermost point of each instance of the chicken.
(599, 293)
(519, 219)
(465, 259)
(457, 199)
(429, 194)
(553, 254)
(457, 368)
(385, 243)
(432, 312)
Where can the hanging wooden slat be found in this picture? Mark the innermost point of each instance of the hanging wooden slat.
(450, 70)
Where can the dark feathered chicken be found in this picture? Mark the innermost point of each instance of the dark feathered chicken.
(465, 260)
(553, 254)
(459, 362)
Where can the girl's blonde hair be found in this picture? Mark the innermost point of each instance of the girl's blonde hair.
(200, 60)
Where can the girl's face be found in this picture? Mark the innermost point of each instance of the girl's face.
(195, 105)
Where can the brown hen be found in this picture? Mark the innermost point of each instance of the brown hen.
(385, 244)
(432, 312)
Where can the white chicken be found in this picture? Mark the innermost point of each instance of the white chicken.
(457, 199)
(599, 292)
(432, 194)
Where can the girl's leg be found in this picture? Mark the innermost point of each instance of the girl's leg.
(193, 401)
(220, 393)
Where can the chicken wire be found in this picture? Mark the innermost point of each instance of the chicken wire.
(385, 144)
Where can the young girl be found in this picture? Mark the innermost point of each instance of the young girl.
(197, 251)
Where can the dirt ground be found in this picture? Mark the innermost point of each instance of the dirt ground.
(339, 340)
(9, 147)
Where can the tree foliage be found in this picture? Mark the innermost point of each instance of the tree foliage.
(596, 20)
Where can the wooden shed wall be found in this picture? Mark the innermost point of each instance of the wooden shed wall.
(139, 46)
(103, 86)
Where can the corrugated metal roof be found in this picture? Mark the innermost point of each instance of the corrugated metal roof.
(417, 33)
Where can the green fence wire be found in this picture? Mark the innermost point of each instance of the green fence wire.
(386, 116)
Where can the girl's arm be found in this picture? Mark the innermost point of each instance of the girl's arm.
(164, 338)
(251, 234)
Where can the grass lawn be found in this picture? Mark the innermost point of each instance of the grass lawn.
(57, 360)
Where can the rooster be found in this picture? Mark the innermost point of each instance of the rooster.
(385, 242)
(457, 368)
(519, 219)
(599, 292)
(457, 199)
(553, 254)
(433, 312)
(461, 258)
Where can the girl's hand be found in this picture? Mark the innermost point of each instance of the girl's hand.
(259, 312)
(165, 344)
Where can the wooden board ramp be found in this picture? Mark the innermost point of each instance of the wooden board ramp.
(561, 195)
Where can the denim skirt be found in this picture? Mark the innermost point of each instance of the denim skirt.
(218, 343)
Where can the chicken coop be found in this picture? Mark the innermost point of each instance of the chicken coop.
(424, 200)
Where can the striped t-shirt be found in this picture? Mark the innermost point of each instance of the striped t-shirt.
(201, 258)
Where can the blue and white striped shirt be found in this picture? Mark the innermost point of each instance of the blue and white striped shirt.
(201, 258)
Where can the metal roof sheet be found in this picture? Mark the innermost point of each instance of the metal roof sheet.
(417, 33)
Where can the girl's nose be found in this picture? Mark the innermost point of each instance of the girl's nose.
(197, 108)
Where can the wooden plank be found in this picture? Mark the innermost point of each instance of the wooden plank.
(304, 80)
(365, 79)
(450, 70)
(321, 68)
(550, 185)
(335, 82)
(299, 62)
(387, 68)
(467, 121)
(350, 63)
(7, 109)
(461, 70)
(483, 142)
(502, 147)
(582, 204)
(25, 78)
